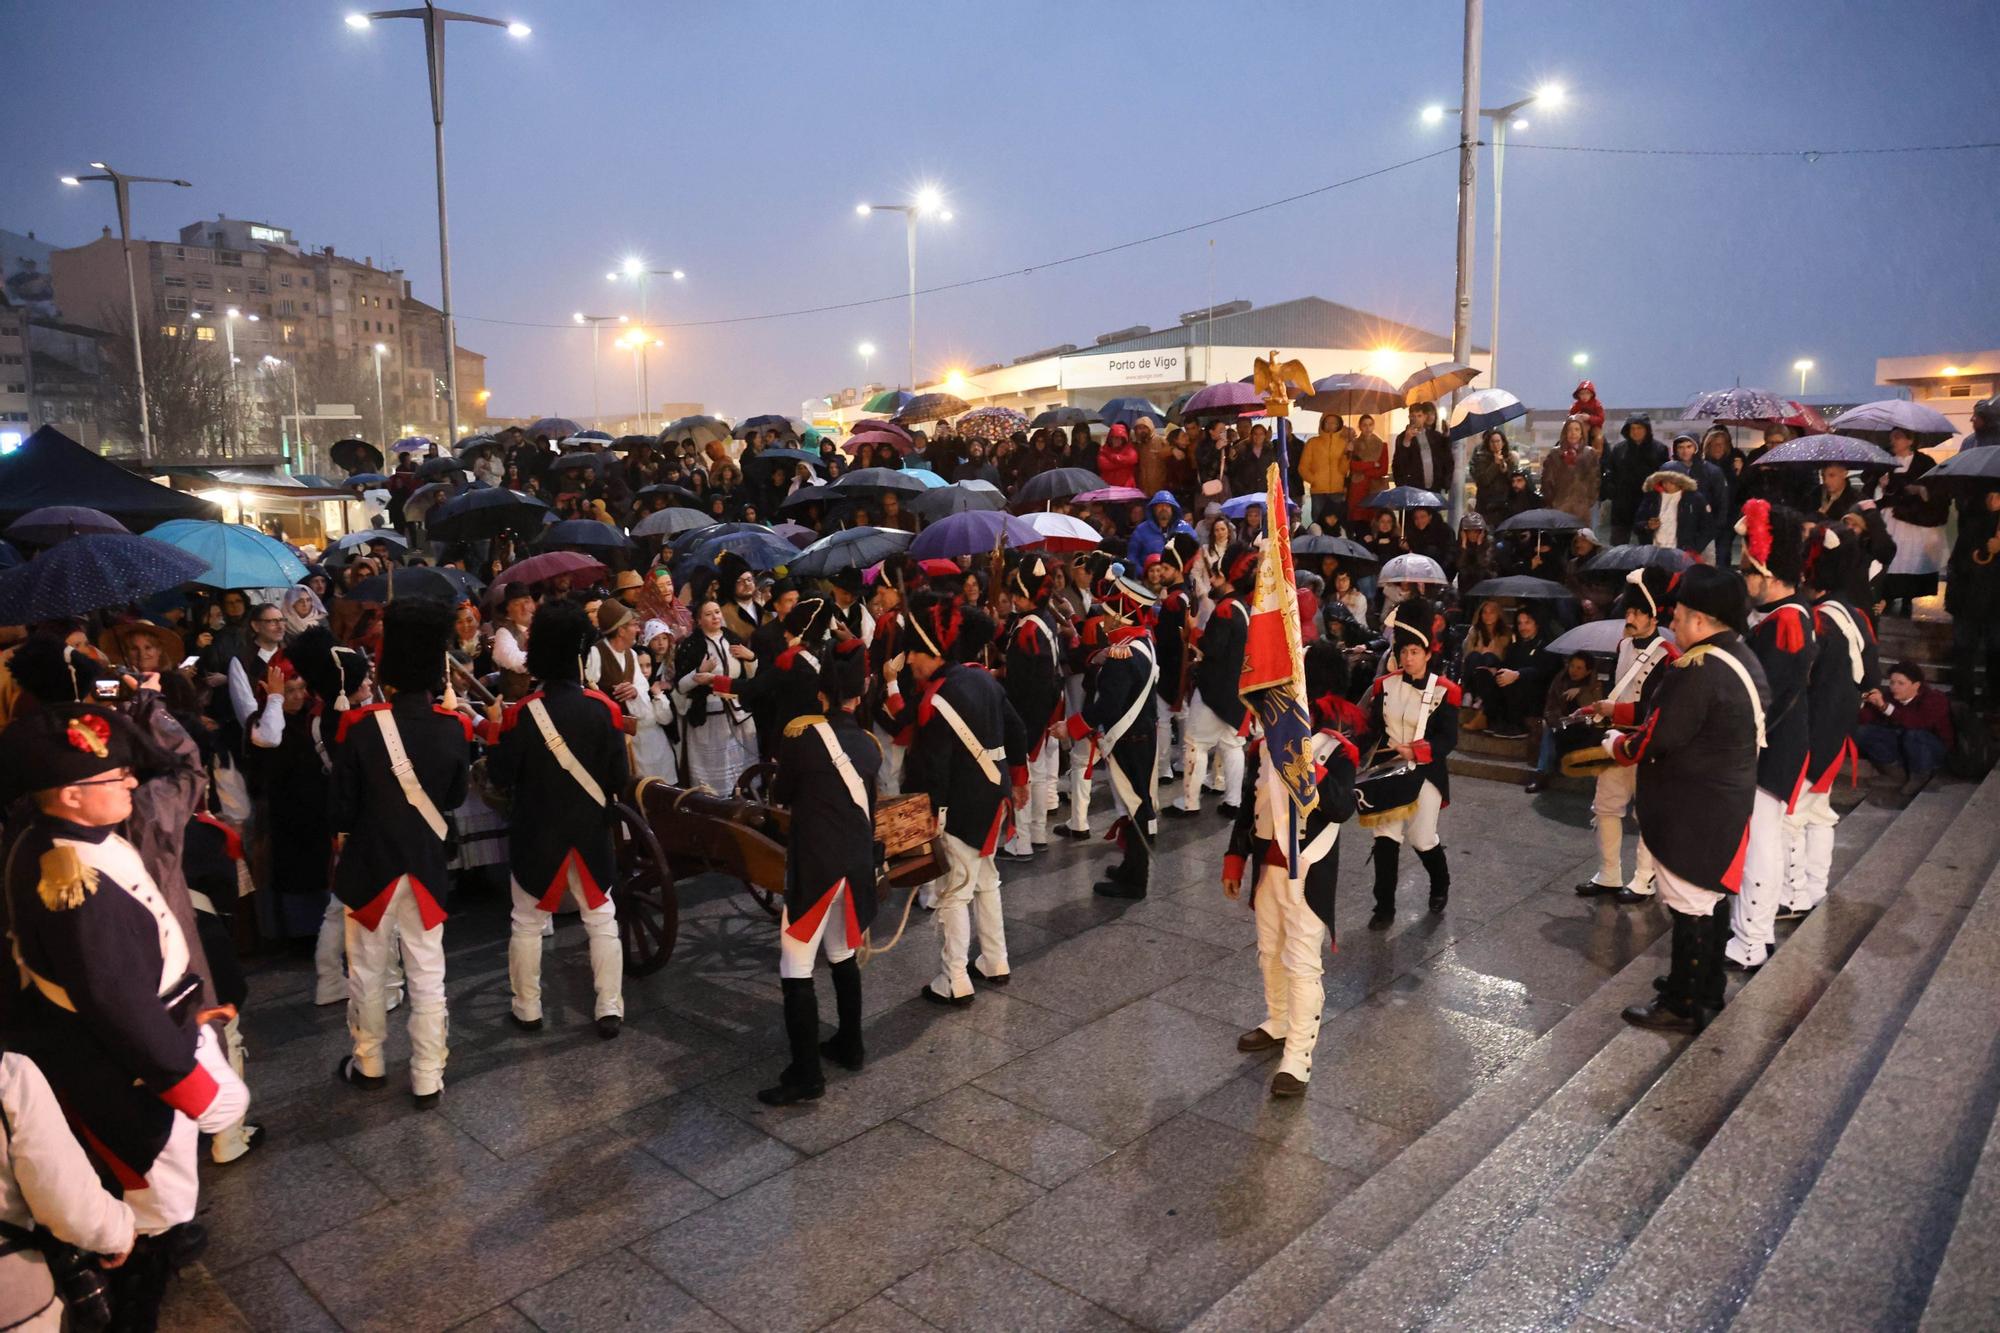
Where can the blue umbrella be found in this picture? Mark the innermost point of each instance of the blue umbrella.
(1406, 497)
(237, 556)
(971, 533)
(687, 541)
(930, 479)
(1238, 505)
(851, 548)
(1482, 410)
(1127, 411)
(584, 534)
(761, 550)
(90, 573)
(413, 444)
(792, 455)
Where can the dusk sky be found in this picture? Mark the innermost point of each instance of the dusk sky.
(734, 139)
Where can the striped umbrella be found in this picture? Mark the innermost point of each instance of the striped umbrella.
(1435, 381)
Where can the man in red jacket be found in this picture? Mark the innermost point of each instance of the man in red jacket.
(1905, 734)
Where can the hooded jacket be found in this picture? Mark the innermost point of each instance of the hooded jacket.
(1149, 538)
(1627, 465)
(1323, 461)
(1118, 459)
(1692, 528)
(1594, 409)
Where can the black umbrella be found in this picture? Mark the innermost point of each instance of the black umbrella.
(1524, 587)
(873, 481)
(627, 443)
(1315, 543)
(671, 522)
(585, 534)
(958, 498)
(584, 461)
(670, 490)
(355, 456)
(1532, 520)
(1057, 484)
(1969, 469)
(853, 548)
(694, 537)
(1063, 418)
(436, 583)
(53, 523)
(441, 469)
(9, 557)
(1406, 497)
(479, 514)
(1351, 395)
(423, 498)
(1820, 450)
(555, 428)
(930, 407)
(806, 495)
(90, 573)
(759, 424)
(1622, 560)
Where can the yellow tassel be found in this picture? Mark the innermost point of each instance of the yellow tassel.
(66, 880)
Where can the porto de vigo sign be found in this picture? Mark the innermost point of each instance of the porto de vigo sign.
(1155, 365)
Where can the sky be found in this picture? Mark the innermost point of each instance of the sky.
(733, 138)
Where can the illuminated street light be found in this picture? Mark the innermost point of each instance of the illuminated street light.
(638, 271)
(1805, 368)
(1434, 115)
(929, 202)
(1580, 360)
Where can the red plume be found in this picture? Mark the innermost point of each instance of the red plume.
(1756, 530)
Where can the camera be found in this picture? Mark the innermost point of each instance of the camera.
(79, 1282)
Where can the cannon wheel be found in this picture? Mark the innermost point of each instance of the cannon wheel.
(753, 784)
(649, 915)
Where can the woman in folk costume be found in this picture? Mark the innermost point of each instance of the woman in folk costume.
(561, 752)
(1412, 712)
(827, 767)
(1119, 720)
(709, 666)
(1295, 912)
(1844, 664)
(653, 744)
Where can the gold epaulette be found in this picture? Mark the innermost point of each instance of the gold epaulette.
(66, 880)
(798, 726)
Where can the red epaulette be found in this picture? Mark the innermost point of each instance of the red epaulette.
(1380, 682)
(1347, 746)
(513, 713)
(1025, 637)
(924, 710)
(1791, 631)
(617, 711)
(232, 841)
(1452, 693)
(456, 716)
(347, 719)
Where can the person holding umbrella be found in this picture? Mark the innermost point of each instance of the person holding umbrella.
(1915, 518)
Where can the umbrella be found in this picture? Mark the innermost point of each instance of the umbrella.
(1062, 534)
(1236, 506)
(355, 456)
(931, 480)
(596, 464)
(758, 425)
(1801, 415)
(1223, 401)
(237, 556)
(438, 583)
(1594, 636)
(473, 446)
(549, 565)
(806, 495)
(792, 455)
(365, 479)
(1435, 381)
(761, 550)
(888, 400)
(700, 429)
(1062, 418)
(487, 512)
(9, 557)
(586, 533)
(694, 537)
(1524, 587)
(1351, 395)
(1738, 404)
(1970, 469)
(90, 573)
(798, 534)
(957, 499)
(875, 480)
(1127, 411)
(973, 533)
(991, 424)
(931, 407)
(1316, 543)
(52, 523)
(1110, 495)
(1412, 569)
(671, 522)
(431, 493)
(1820, 450)
(413, 444)
(872, 438)
(1179, 405)
(554, 428)
(1483, 410)
(851, 548)
(882, 424)
(355, 541)
(583, 439)
(1060, 483)
(669, 490)
(1406, 497)
(1622, 560)
(625, 444)
(1540, 520)
(1874, 421)
(437, 469)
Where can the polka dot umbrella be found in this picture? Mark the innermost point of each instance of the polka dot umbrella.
(90, 573)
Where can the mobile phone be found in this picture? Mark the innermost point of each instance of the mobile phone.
(190, 660)
(106, 689)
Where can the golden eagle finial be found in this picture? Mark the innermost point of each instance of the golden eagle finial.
(1280, 382)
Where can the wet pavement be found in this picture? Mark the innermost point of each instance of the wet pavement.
(1085, 1149)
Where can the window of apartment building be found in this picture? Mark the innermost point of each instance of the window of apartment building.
(284, 307)
(260, 284)
(10, 359)
(170, 330)
(392, 326)
(205, 307)
(180, 252)
(13, 388)
(204, 280)
(288, 332)
(173, 280)
(174, 303)
(284, 279)
(392, 303)
(229, 258)
(204, 333)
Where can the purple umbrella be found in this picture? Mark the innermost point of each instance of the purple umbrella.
(1820, 450)
(1874, 421)
(798, 534)
(973, 532)
(52, 523)
(1220, 402)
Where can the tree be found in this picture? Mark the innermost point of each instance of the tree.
(187, 389)
(325, 376)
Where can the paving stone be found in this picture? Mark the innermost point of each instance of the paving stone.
(1923, 1125)
(197, 1301)
(1408, 1065)
(1604, 1090)
(971, 1288)
(280, 1194)
(443, 1256)
(1612, 1195)
(270, 1295)
(1159, 1230)
(1331, 1133)
(815, 1241)
(1496, 999)
(1091, 975)
(618, 1291)
(406, 1153)
(1025, 1142)
(1288, 1287)
(500, 1319)
(1556, 958)
(1238, 1006)
(880, 1315)
(1711, 1074)
(1002, 1014)
(1534, 1285)
(1962, 1294)
(714, 1149)
(1118, 1077)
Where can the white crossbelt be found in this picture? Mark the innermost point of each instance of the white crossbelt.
(845, 767)
(986, 757)
(406, 775)
(560, 752)
(1742, 674)
(1642, 662)
(1140, 702)
(1848, 631)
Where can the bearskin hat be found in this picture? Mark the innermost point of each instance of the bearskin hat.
(47, 670)
(1179, 548)
(557, 640)
(330, 671)
(1326, 669)
(416, 631)
(1717, 593)
(936, 620)
(843, 673)
(1834, 559)
(1029, 578)
(1239, 566)
(1773, 540)
(1410, 623)
(808, 619)
(1649, 589)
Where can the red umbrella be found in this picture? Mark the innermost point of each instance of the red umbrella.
(548, 565)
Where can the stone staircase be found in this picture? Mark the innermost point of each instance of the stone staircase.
(1925, 640)
(1825, 1155)
(1482, 755)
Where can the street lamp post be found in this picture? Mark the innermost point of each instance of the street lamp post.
(234, 438)
(637, 271)
(1805, 368)
(596, 322)
(434, 20)
(121, 185)
(867, 351)
(381, 409)
(284, 435)
(642, 346)
(927, 202)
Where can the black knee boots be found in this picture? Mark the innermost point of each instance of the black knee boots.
(1711, 980)
(1388, 855)
(1129, 877)
(844, 1047)
(1678, 1006)
(802, 1080)
(1440, 873)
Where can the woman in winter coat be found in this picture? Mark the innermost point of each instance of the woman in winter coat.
(1572, 472)
(1367, 470)
(1492, 463)
(1118, 458)
(1914, 515)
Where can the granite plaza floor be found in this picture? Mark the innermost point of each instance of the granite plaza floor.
(1085, 1149)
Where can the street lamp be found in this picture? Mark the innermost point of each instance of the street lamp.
(121, 185)
(642, 344)
(1580, 360)
(1504, 118)
(229, 318)
(434, 20)
(595, 322)
(1805, 368)
(284, 435)
(928, 203)
(381, 409)
(867, 352)
(636, 270)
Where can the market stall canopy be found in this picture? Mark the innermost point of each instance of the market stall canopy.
(52, 469)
